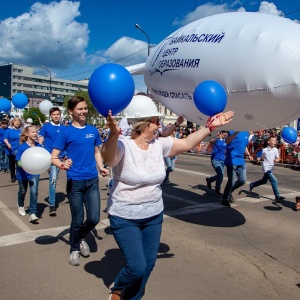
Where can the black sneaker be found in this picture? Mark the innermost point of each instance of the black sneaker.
(250, 187)
(225, 202)
(166, 181)
(208, 183)
(13, 180)
(217, 192)
(280, 198)
(52, 211)
(231, 200)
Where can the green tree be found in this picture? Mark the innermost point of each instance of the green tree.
(93, 113)
(34, 113)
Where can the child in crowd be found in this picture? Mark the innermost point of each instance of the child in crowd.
(27, 140)
(270, 155)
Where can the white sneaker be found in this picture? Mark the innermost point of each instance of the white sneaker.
(22, 211)
(33, 218)
(84, 248)
(74, 258)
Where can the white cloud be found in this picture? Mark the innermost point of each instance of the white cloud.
(48, 34)
(125, 51)
(206, 10)
(269, 8)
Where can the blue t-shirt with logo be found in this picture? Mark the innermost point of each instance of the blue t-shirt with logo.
(13, 137)
(236, 149)
(21, 174)
(80, 145)
(219, 149)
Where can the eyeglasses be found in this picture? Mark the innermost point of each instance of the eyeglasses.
(156, 122)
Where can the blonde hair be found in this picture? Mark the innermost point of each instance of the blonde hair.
(139, 127)
(24, 134)
(16, 119)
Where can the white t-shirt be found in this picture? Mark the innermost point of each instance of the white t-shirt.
(136, 191)
(268, 155)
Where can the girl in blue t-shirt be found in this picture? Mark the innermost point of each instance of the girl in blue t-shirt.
(81, 141)
(27, 139)
(12, 140)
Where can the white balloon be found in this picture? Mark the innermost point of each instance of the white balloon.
(36, 160)
(254, 56)
(45, 106)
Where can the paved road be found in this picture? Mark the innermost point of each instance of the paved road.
(207, 251)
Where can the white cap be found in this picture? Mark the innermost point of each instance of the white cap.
(29, 120)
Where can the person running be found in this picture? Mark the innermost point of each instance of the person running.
(270, 155)
(27, 140)
(12, 141)
(81, 141)
(47, 135)
(135, 204)
(236, 148)
(217, 162)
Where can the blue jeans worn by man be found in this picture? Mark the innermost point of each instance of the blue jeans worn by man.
(83, 193)
(236, 178)
(53, 176)
(33, 183)
(218, 166)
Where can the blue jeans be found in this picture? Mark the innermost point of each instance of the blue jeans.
(53, 176)
(234, 171)
(138, 241)
(33, 183)
(83, 193)
(170, 164)
(3, 159)
(268, 176)
(218, 166)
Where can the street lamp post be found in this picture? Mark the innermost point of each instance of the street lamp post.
(50, 89)
(141, 29)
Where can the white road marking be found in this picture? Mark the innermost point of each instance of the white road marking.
(13, 218)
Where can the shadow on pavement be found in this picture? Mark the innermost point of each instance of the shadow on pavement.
(110, 265)
(203, 209)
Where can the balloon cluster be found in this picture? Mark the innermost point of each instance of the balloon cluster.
(111, 87)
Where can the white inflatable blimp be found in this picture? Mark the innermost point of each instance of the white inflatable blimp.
(254, 56)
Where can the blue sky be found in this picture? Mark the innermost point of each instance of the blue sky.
(73, 38)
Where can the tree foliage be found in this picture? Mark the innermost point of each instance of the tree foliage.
(34, 113)
(93, 113)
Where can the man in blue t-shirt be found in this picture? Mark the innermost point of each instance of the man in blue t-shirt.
(217, 161)
(237, 142)
(81, 141)
(47, 135)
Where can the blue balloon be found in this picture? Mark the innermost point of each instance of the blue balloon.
(289, 135)
(19, 100)
(111, 87)
(210, 97)
(5, 105)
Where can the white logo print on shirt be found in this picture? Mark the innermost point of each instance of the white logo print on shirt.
(89, 135)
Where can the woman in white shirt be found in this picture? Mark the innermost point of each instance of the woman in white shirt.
(135, 205)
